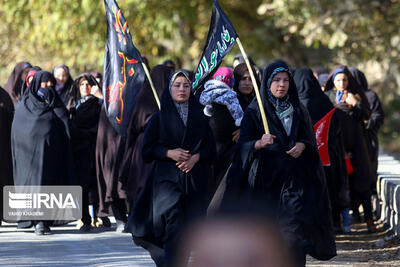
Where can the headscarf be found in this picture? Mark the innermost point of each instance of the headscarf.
(14, 83)
(283, 108)
(238, 74)
(352, 86)
(287, 105)
(360, 78)
(97, 75)
(311, 95)
(31, 73)
(183, 108)
(75, 91)
(45, 94)
(68, 83)
(76, 99)
(225, 75)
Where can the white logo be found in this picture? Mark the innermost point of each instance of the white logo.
(41, 200)
(20, 200)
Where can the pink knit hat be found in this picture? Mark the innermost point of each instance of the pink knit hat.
(225, 75)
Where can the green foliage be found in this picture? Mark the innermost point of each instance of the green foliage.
(304, 32)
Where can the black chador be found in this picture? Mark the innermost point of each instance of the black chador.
(85, 113)
(172, 197)
(41, 144)
(6, 118)
(318, 105)
(292, 189)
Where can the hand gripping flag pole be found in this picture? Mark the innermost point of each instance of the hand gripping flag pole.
(255, 86)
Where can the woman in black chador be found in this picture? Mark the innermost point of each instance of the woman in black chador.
(85, 112)
(282, 169)
(40, 139)
(179, 141)
(318, 106)
(349, 98)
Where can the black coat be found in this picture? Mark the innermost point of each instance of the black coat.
(292, 189)
(170, 197)
(109, 154)
(6, 118)
(375, 121)
(222, 125)
(40, 135)
(318, 105)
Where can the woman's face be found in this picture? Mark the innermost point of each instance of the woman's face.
(341, 82)
(280, 84)
(245, 84)
(61, 75)
(46, 84)
(84, 87)
(180, 90)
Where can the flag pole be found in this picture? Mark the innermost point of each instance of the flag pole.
(255, 85)
(146, 70)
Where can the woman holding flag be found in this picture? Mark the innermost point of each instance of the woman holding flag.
(282, 170)
(179, 141)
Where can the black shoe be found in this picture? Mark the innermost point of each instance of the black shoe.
(106, 222)
(39, 229)
(85, 228)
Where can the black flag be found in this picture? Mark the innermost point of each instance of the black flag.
(220, 40)
(123, 71)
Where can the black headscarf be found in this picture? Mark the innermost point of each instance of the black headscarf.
(360, 78)
(352, 87)
(238, 74)
(172, 125)
(311, 95)
(31, 73)
(75, 92)
(269, 72)
(14, 83)
(41, 119)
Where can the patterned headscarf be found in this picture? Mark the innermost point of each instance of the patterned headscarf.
(282, 105)
(183, 108)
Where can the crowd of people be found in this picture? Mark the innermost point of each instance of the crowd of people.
(202, 153)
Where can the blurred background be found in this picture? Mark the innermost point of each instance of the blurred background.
(360, 33)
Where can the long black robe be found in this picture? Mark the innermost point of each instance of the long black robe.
(170, 197)
(222, 125)
(292, 189)
(134, 172)
(109, 154)
(6, 118)
(318, 105)
(354, 137)
(374, 123)
(83, 126)
(41, 145)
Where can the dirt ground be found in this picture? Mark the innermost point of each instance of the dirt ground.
(361, 248)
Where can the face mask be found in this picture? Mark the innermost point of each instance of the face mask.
(44, 93)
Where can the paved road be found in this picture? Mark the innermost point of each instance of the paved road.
(101, 247)
(68, 247)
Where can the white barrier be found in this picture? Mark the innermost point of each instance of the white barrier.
(388, 193)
